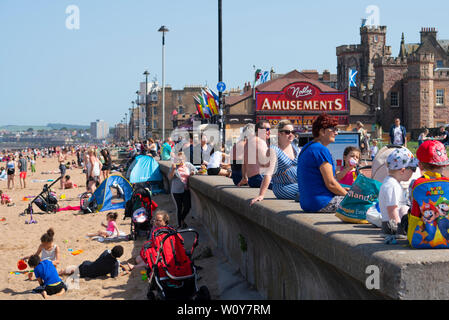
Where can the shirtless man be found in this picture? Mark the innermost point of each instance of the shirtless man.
(255, 156)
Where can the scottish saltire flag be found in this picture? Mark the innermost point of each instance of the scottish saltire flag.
(352, 78)
(264, 77)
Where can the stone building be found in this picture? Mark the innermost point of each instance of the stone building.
(412, 86)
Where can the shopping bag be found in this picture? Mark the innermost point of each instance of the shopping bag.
(360, 198)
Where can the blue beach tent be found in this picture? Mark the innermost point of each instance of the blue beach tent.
(144, 169)
(113, 193)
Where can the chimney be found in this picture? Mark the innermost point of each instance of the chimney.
(428, 32)
(326, 75)
(312, 74)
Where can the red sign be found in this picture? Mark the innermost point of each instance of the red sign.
(301, 121)
(302, 97)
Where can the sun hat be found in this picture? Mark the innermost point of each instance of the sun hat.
(433, 152)
(401, 158)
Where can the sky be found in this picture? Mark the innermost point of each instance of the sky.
(55, 71)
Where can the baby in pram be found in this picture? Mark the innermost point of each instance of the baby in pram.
(160, 219)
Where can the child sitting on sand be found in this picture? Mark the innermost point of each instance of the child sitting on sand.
(111, 227)
(67, 183)
(5, 199)
(48, 277)
(49, 250)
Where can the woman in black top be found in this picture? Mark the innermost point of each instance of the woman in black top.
(107, 165)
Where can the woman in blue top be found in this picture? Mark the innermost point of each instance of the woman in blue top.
(282, 167)
(319, 190)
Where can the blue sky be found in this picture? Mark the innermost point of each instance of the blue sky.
(49, 73)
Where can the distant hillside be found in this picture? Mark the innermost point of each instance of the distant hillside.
(50, 126)
(58, 126)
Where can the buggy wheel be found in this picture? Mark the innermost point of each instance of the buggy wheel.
(203, 294)
(55, 208)
(150, 295)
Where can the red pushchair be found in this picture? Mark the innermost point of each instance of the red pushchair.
(171, 266)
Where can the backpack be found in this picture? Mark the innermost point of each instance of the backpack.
(173, 259)
(428, 222)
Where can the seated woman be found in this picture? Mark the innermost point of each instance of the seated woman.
(218, 164)
(318, 188)
(282, 170)
(67, 183)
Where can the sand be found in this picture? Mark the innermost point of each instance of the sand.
(19, 239)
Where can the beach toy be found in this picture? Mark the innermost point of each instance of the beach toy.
(24, 199)
(76, 252)
(3, 219)
(62, 196)
(21, 265)
(144, 277)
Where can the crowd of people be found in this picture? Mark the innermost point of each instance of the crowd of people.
(306, 174)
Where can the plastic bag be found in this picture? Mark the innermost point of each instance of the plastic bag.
(362, 196)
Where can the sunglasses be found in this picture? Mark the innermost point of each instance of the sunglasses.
(287, 131)
(412, 168)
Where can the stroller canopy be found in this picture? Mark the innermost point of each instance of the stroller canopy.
(113, 193)
(144, 169)
(380, 169)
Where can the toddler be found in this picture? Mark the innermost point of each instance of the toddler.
(348, 172)
(5, 199)
(111, 227)
(49, 250)
(373, 150)
(392, 197)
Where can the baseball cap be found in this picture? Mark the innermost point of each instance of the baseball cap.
(401, 158)
(433, 152)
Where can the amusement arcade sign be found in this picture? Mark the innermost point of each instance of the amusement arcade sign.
(301, 98)
(301, 102)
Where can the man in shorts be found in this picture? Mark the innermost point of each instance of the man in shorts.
(22, 164)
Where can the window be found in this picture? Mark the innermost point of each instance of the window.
(440, 64)
(154, 124)
(155, 111)
(394, 99)
(180, 109)
(440, 97)
(376, 38)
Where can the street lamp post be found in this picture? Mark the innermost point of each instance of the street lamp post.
(138, 115)
(126, 127)
(130, 131)
(133, 119)
(163, 29)
(146, 73)
(220, 72)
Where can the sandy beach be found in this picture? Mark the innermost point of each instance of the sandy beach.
(19, 239)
